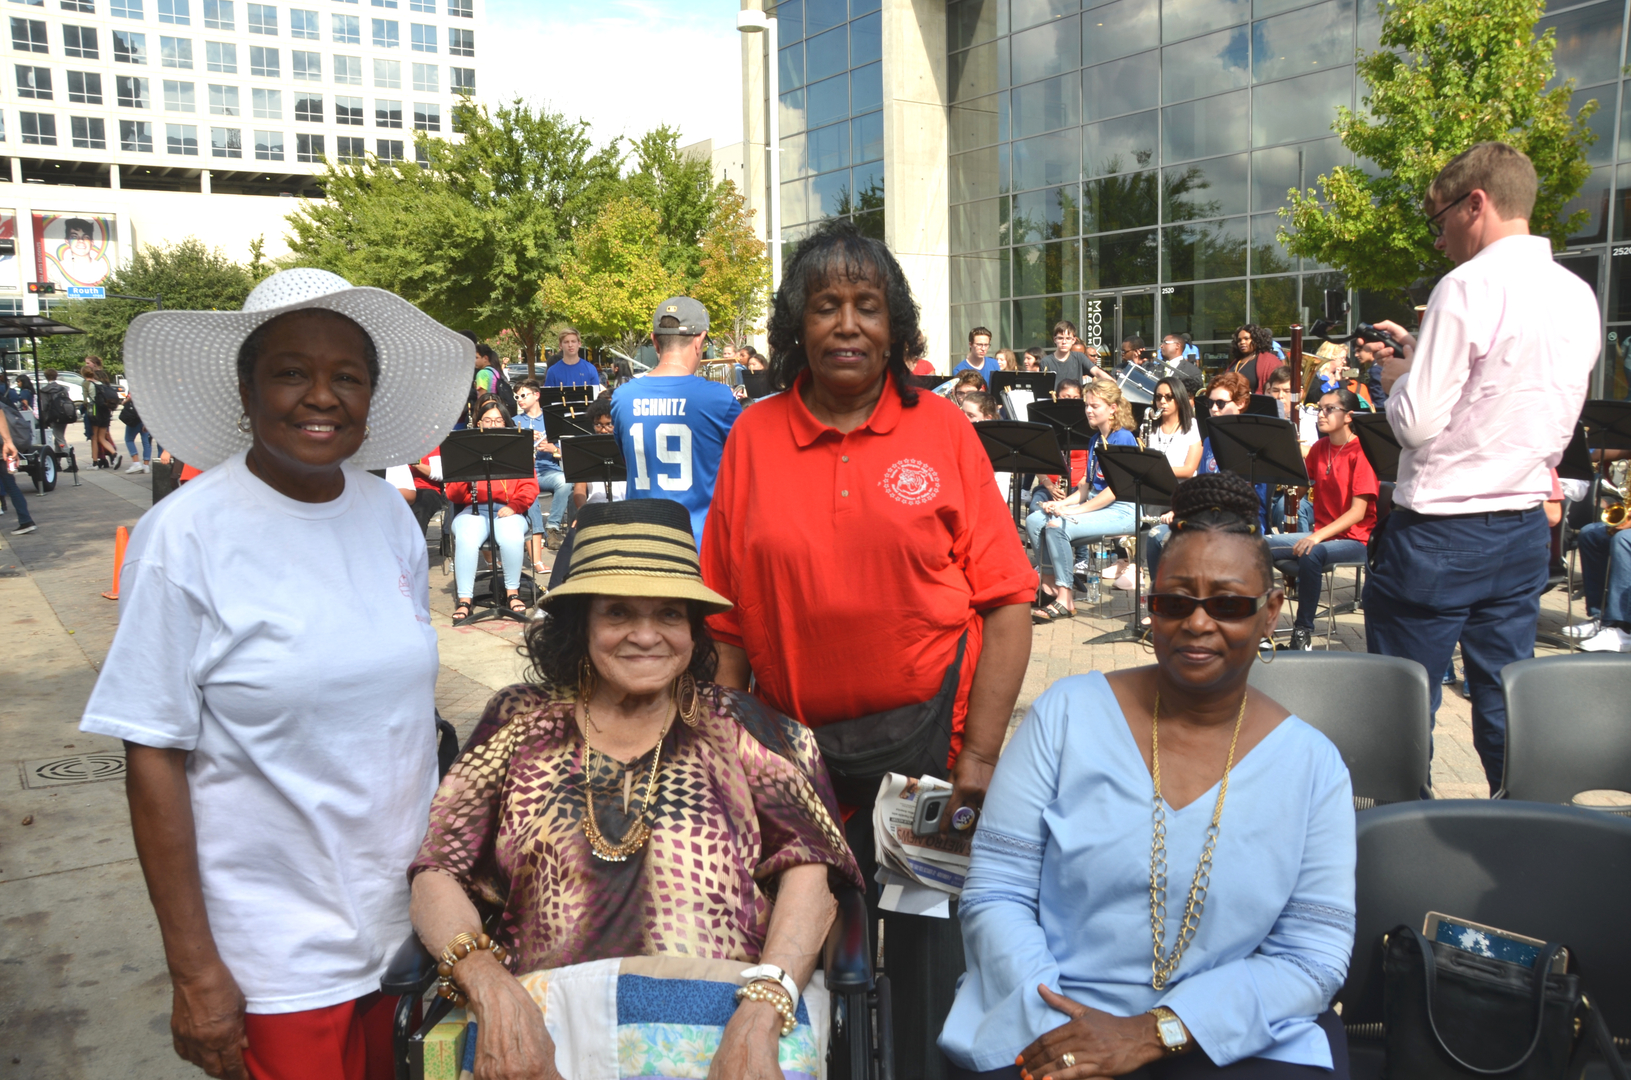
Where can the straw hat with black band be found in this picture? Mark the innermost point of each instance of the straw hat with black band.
(639, 547)
(183, 368)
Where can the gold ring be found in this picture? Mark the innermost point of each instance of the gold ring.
(1068, 1059)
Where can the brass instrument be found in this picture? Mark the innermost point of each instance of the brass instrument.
(1613, 515)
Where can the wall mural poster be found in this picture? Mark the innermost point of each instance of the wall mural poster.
(10, 265)
(74, 249)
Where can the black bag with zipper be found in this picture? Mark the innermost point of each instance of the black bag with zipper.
(913, 740)
(128, 414)
(1449, 1013)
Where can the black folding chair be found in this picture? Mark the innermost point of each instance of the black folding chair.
(1550, 872)
(1568, 726)
(1374, 708)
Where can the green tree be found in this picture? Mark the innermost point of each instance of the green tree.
(1450, 73)
(467, 236)
(681, 189)
(188, 275)
(735, 281)
(614, 278)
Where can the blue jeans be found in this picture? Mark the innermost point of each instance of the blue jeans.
(9, 488)
(1053, 542)
(130, 442)
(470, 532)
(1311, 569)
(1305, 516)
(1478, 579)
(1605, 567)
(552, 480)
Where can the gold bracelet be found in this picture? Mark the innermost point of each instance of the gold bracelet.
(457, 949)
(773, 994)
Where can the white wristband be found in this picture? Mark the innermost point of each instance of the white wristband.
(771, 971)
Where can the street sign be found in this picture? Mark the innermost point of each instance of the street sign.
(87, 292)
(43, 288)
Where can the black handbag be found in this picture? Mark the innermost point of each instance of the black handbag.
(913, 740)
(1449, 1013)
(128, 414)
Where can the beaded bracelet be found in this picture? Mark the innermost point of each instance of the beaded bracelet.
(771, 993)
(457, 949)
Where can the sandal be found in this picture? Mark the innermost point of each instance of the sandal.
(1053, 612)
(461, 613)
(518, 605)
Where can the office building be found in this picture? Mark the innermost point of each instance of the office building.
(1115, 164)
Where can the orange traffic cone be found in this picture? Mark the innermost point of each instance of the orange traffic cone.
(120, 539)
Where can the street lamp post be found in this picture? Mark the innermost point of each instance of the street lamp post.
(754, 22)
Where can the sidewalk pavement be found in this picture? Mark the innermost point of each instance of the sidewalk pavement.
(88, 997)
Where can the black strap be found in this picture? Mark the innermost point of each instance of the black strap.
(1605, 1040)
(1543, 965)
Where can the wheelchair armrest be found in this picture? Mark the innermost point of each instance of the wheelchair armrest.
(847, 958)
(411, 970)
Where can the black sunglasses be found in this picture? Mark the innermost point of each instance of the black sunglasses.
(1435, 227)
(1225, 607)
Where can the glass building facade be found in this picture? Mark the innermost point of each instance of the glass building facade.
(831, 84)
(1120, 164)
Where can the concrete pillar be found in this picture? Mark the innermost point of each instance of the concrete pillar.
(16, 170)
(113, 176)
(204, 181)
(916, 221)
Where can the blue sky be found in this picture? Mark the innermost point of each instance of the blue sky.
(599, 61)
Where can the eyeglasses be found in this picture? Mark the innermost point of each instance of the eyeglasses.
(1435, 228)
(1165, 397)
(1225, 607)
(1327, 410)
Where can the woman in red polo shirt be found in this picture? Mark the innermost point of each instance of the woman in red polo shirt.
(870, 559)
(1344, 510)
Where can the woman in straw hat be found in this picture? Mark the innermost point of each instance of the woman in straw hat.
(621, 805)
(274, 670)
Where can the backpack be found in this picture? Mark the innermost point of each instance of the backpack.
(107, 395)
(503, 390)
(56, 406)
(20, 423)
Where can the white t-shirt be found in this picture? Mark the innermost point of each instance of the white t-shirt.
(289, 647)
(1176, 445)
(597, 492)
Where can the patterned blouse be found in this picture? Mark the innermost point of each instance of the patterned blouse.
(741, 797)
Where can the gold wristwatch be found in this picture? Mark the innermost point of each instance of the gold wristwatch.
(1174, 1036)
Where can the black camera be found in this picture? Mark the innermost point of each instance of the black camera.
(1364, 334)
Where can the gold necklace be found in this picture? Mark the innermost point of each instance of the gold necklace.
(1162, 967)
(640, 832)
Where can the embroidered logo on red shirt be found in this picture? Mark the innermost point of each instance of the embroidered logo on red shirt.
(911, 481)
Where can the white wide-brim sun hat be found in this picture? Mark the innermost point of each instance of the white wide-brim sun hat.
(182, 367)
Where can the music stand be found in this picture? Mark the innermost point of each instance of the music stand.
(474, 455)
(1039, 383)
(593, 459)
(1262, 405)
(757, 384)
(1380, 445)
(566, 395)
(563, 420)
(1017, 447)
(1608, 424)
(1069, 422)
(1135, 475)
(927, 382)
(1577, 463)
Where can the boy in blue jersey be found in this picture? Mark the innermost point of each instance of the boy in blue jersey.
(571, 369)
(671, 424)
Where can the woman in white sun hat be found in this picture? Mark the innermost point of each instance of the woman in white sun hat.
(274, 671)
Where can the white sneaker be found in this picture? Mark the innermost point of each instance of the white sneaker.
(1582, 630)
(1111, 573)
(1128, 580)
(146, 468)
(1608, 639)
(134, 467)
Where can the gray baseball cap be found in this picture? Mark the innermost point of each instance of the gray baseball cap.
(692, 315)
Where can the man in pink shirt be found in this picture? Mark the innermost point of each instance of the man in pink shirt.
(1483, 402)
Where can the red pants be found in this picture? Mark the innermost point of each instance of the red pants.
(348, 1041)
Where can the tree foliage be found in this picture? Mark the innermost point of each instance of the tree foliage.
(1450, 73)
(468, 235)
(681, 189)
(187, 275)
(615, 277)
(735, 269)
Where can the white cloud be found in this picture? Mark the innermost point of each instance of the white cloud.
(603, 62)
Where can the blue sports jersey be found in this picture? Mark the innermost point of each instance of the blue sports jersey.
(582, 373)
(672, 431)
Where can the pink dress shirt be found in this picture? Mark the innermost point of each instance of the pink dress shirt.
(1500, 373)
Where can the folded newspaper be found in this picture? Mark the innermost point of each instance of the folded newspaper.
(919, 874)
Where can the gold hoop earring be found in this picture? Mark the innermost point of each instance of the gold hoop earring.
(243, 423)
(687, 702)
(1147, 640)
(1272, 649)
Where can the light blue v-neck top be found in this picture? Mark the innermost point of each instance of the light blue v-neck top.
(1058, 890)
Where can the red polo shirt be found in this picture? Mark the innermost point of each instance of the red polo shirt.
(856, 561)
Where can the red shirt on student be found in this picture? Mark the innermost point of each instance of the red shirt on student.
(857, 561)
(1339, 474)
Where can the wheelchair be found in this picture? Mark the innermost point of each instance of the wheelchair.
(860, 1044)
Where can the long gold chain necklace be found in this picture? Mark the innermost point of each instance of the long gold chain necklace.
(640, 831)
(1162, 967)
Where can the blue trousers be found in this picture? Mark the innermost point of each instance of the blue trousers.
(1605, 567)
(554, 482)
(1476, 579)
(1054, 542)
(10, 489)
(1311, 569)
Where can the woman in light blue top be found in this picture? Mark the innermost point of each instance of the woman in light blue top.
(1108, 777)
